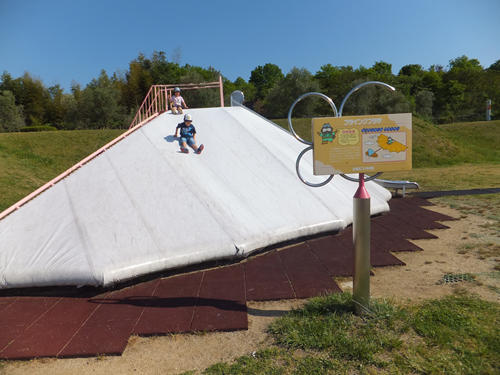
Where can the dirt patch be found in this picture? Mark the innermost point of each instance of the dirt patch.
(459, 250)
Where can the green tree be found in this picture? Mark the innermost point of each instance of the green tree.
(156, 70)
(99, 106)
(465, 88)
(34, 99)
(382, 68)
(495, 66)
(380, 71)
(264, 78)
(207, 75)
(450, 99)
(335, 82)
(248, 89)
(410, 80)
(463, 63)
(412, 70)
(70, 104)
(55, 109)
(360, 102)
(390, 102)
(286, 90)
(15, 86)
(162, 71)
(375, 100)
(432, 80)
(138, 83)
(199, 98)
(11, 116)
(424, 102)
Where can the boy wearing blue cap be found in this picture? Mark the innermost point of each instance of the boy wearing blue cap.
(188, 135)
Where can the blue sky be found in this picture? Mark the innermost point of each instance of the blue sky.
(60, 41)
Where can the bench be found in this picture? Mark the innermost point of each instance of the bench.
(403, 185)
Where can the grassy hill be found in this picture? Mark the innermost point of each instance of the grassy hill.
(29, 160)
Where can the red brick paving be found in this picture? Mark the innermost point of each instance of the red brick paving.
(266, 278)
(308, 276)
(338, 259)
(208, 300)
(221, 303)
(390, 240)
(171, 307)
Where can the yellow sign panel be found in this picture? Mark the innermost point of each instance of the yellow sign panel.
(362, 144)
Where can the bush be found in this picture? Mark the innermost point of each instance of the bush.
(40, 128)
(445, 120)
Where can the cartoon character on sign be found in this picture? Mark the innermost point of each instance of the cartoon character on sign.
(327, 134)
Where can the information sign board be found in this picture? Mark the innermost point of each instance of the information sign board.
(362, 144)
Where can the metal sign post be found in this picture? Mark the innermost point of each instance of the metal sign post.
(361, 241)
(353, 140)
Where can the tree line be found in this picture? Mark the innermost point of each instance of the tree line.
(461, 88)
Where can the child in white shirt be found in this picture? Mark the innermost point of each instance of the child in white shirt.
(177, 101)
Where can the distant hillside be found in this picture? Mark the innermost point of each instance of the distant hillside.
(472, 142)
(439, 145)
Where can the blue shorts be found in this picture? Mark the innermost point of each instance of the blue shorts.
(190, 141)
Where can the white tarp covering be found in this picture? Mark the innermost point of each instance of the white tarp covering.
(142, 206)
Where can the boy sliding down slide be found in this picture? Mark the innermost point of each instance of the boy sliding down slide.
(188, 135)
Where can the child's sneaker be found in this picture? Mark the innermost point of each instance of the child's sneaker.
(180, 110)
(174, 111)
(184, 150)
(200, 149)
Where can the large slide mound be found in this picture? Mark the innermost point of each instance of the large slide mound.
(142, 206)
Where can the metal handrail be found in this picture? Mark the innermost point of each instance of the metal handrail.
(156, 101)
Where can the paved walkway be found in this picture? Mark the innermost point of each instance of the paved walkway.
(434, 194)
(61, 324)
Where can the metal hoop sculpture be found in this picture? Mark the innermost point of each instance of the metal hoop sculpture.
(300, 176)
(330, 101)
(332, 104)
(376, 83)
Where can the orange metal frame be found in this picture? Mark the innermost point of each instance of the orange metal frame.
(157, 99)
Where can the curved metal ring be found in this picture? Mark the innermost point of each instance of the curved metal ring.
(376, 83)
(365, 179)
(330, 101)
(300, 176)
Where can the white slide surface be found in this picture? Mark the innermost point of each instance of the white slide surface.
(142, 206)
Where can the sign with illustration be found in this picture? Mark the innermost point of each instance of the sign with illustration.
(362, 144)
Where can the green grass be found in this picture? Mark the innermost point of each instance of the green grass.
(458, 334)
(456, 177)
(480, 137)
(29, 160)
